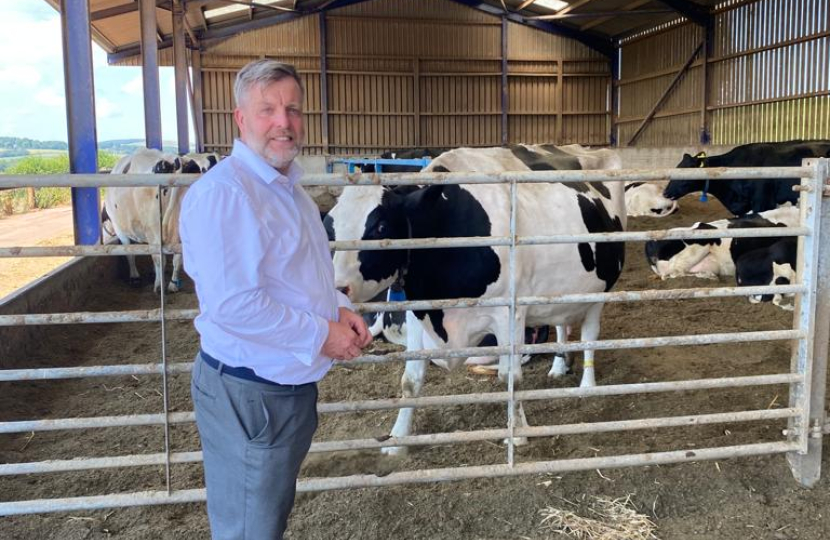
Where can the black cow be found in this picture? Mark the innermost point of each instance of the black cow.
(742, 196)
(770, 265)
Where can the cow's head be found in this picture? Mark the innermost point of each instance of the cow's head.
(198, 163)
(645, 199)
(678, 188)
(168, 165)
(368, 213)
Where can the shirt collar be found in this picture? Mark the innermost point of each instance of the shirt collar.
(262, 169)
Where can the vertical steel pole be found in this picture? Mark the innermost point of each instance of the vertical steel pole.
(150, 74)
(511, 374)
(812, 315)
(614, 98)
(504, 91)
(80, 116)
(180, 67)
(197, 101)
(708, 43)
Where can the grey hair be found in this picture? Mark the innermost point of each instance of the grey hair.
(264, 71)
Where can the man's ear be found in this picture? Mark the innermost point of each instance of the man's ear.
(239, 118)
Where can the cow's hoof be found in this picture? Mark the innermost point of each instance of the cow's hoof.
(559, 367)
(517, 441)
(135, 282)
(174, 286)
(395, 451)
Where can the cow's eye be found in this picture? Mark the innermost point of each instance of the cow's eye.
(381, 228)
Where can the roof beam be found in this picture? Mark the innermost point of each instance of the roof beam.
(524, 4)
(599, 43)
(690, 10)
(591, 14)
(572, 6)
(123, 9)
(628, 7)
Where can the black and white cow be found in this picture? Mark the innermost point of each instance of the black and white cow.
(646, 199)
(134, 211)
(375, 213)
(770, 265)
(743, 196)
(711, 258)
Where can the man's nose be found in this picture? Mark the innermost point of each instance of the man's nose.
(281, 118)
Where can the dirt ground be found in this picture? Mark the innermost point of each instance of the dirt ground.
(748, 498)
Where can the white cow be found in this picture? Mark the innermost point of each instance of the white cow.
(134, 211)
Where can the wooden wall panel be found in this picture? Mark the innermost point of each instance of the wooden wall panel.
(414, 73)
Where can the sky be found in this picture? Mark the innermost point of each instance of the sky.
(32, 95)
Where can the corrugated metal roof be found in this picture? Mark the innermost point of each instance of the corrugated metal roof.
(598, 23)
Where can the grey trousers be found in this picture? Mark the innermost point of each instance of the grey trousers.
(254, 439)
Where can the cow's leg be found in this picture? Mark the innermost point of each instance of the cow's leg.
(411, 383)
(158, 261)
(590, 332)
(507, 361)
(135, 277)
(175, 284)
(561, 361)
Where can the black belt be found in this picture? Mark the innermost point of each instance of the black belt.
(242, 372)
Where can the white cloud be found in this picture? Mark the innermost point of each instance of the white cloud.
(105, 108)
(134, 87)
(19, 76)
(19, 27)
(50, 98)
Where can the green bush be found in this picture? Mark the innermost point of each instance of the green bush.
(17, 200)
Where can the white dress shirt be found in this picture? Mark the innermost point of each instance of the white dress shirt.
(255, 246)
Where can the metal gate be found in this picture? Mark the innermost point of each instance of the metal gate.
(801, 442)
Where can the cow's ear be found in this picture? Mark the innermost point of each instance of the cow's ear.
(424, 198)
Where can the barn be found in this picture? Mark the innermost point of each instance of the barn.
(709, 412)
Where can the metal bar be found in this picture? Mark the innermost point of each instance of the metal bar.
(708, 43)
(180, 67)
(690, 10)
(86, 464)
(165, 398)
(140, 460)
(629, 343)
(80, 117)
(425, 178)
(324, 81)
(198, 102)
(514, 358)
(26, 426)
(147, 498)
(504, 89)
(105, 317)
(666, 93)
(813, 314)
(150, 74)
(591, 14)
(48, 374)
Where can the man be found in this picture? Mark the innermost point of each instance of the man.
(271, 320)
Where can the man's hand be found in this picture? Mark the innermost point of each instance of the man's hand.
(342, 342)
(358, 325)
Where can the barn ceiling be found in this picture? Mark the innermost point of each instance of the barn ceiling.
(597, 23)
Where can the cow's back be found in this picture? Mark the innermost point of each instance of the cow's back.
(555, 208)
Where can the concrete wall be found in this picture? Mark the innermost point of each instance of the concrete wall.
(61, 290)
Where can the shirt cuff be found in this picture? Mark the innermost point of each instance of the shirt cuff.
(320, 335)
(343, 301)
